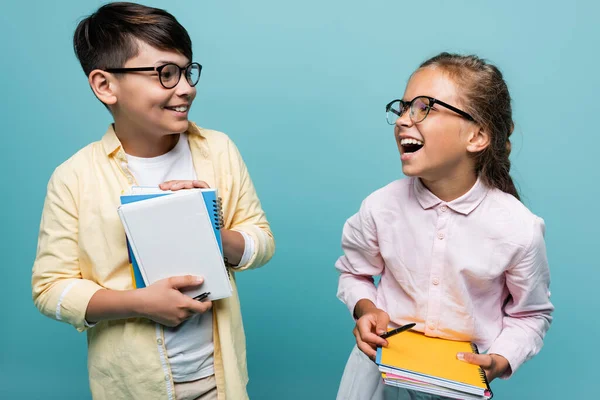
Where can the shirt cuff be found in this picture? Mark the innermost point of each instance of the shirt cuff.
(352, 289)
(73, 301)
(88, 324)
(510, 350)
(248, 250)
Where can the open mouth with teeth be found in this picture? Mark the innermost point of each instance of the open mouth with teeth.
(181, 109)
(411, 145)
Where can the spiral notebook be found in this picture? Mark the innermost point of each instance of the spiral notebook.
(426, 364)
(175, 233)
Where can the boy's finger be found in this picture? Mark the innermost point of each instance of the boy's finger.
(179, 282)
(200, 184)
(200, 307)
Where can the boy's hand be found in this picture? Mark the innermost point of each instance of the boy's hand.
(182, 184)
(371, 323)
(163, 302)
(494, 365)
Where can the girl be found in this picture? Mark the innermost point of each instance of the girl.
(457, 252)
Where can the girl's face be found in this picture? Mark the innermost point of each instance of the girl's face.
(437, 147)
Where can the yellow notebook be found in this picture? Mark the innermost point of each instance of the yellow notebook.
(422, 360)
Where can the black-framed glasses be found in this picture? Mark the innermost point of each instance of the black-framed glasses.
(419, 109)
(168, 74)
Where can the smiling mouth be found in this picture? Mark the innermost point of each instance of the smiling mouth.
(411, 145)
(179, 108)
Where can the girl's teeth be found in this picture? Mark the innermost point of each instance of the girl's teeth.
(404, 142)
(180, 109)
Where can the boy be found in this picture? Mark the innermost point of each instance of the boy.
(155, 342)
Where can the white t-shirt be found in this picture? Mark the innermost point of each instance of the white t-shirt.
(190, 345)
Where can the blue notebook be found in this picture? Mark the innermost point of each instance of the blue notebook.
(140, 193)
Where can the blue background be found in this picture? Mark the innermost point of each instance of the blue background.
(301, 88)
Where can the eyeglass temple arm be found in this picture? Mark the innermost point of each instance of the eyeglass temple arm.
(130, 69)
(456, 110)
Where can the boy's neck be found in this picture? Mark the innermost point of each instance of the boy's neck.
(452, 187)
(145, 145)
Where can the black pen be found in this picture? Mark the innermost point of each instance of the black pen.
(397, 330)
(202, 296)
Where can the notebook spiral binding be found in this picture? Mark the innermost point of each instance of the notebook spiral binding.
(218, 212)
(218, 215)
(481, 371)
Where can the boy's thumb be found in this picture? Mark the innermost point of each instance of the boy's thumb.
(178, 282)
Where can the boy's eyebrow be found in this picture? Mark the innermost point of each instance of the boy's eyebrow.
(162, 62)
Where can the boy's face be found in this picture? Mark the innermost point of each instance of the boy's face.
(143, 106)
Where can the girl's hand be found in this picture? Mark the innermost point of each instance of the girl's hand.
(371, 323)
(182, 184)
(163, 302)
(494, 365)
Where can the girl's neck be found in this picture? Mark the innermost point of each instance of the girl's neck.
(450, 188)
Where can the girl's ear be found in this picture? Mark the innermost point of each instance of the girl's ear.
(104, 86)
(479, 140)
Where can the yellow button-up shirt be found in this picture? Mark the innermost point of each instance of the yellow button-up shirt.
(82, 249)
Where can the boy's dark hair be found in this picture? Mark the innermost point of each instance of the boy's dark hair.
(106, 39)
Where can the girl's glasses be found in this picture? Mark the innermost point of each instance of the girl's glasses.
(419, 109)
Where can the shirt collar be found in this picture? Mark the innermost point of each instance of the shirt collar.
(112, 144)
(465, 204)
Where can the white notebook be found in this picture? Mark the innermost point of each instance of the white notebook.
(173, 235)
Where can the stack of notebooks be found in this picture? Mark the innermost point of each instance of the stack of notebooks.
(425, 364)
(175, 233)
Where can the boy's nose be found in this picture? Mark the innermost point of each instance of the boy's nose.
(184, 88)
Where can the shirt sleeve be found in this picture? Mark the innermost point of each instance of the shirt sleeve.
(527, 313)
(361, 260)
(248, 216)
(58, 289)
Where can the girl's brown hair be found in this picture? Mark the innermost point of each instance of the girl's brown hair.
(485, 96)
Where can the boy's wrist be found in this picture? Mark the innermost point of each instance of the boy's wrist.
(134, 303)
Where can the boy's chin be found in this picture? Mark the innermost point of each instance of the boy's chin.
(177, 127)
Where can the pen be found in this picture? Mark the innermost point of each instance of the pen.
(397, 330)
(202, 296)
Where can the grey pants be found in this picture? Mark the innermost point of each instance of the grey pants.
(362, 381)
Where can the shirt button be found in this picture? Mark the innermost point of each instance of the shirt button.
(159, 342)
(431, 325)
(129, 179)
(167, 377)
(440, 235)
(444, 208)
(436, 281)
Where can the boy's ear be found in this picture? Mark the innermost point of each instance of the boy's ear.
(478, 140)
(104, 86)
